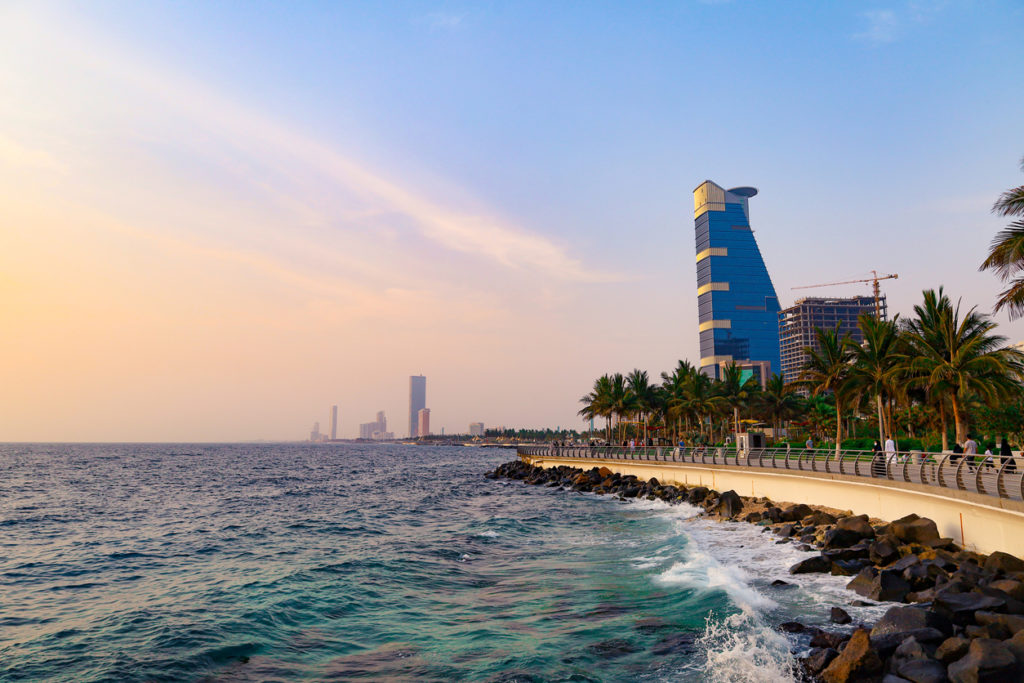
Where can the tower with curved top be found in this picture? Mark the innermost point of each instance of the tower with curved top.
(736, 301)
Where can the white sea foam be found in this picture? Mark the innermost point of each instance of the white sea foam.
(488, 534)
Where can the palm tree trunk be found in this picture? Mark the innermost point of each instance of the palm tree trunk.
(945, 427)
(958, 422)
(881, 418)
(839, 425)
(736, 426)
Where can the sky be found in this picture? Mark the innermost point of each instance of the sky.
(219, 219)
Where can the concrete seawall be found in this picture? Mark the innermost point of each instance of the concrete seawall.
(977, 522)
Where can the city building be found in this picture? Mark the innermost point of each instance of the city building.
(423, 422)
(334, 423)
(417, 402)
(798, 323)
(476, 428)
(314, 434)
(376, 430)
(736, 301)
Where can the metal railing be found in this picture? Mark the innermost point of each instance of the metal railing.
(989, 475)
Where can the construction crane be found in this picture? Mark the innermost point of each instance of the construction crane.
(874, 280)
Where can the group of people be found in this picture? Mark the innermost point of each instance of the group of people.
(968, 450)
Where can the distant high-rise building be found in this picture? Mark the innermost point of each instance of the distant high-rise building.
(423, 422)
(476, 428)
(736, 301)
(798, 322)
(334, 423)
(376, 430)
(314, 434)
(417, 402)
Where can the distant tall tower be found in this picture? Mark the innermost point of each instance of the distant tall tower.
(334, 422)
(417, 402)
(423, 426)
(736, 301)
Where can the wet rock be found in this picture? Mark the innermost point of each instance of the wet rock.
(773, 514)
(862, 603)
(786, 530)
(884, 551)
(986, 660)
(922, 671)
(840, 538)
(914, 529)
(858, 525)
(856, 661)
(839, 616)
(886, 645)
(1012, 587)
(818, 519)
(960, 608)
(779, 583)
(854, 552)
(828, 639)
(848, 567)
(862, 583)
(729, 504)
(812, 565)
(1013, 623)
(818, 660)
(1003, 562)
(792, 627)
(885, 586)
(952, 649)
(697, 494)
(795, 513)
(752, 517)
(910, 618)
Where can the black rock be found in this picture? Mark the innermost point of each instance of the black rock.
(960, 608)
(792, 627)
(812, 565)
(986, 660)
(1003, 562)
(910, 618)
(729, 504)
(839, 616)
(840, 538)
(819, 658)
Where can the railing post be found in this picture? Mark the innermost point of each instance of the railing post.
(842, 456)
(977, 477)
(959, 475)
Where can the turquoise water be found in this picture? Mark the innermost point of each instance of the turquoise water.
(339, 562)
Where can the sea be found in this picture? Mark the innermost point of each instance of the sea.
(335, 562)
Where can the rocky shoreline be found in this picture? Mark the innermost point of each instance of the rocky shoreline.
(962, 613)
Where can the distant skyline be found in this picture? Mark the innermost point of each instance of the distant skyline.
(217, 220)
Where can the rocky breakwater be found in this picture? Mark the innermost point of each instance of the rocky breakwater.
(961, 616)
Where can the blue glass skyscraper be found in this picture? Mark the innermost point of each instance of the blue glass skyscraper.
(736, 301)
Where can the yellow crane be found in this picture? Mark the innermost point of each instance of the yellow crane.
(874, 280)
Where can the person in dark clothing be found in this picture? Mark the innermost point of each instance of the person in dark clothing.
(958, 451)
(1006, 456)
(877, 460)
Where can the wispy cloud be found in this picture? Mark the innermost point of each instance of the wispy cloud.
(882, 27)
(445, 21)
(476, 231)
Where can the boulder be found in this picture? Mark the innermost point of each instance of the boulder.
(856, 661)
(848, 567)
(604, 472)
(922, 671)
(885, 586)
(886, 645)
(812, 565)
(773, 514)
(828, 639)
(1013, 623)
(903, 619)
(752, 517)
(818, 518)
(961, 608)
(858, 525)
(952, 649)
(986, 660)
(697, 494)
(884, 551)
(819, 658)
(786, 530)
(914, 529)
(795, 513)
(861, 583)
(1012, 587)
(839, 616)
(1003, 562)
(729, 504)
(840, 538)
(792, 627)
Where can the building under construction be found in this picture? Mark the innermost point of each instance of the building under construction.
(798, 322)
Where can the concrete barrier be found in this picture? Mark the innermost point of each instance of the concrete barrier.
(978, 522)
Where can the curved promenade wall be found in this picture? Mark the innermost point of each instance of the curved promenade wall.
(977, 522)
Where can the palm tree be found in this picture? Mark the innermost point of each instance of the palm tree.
(642, 394)
(779, 400)
(827, 369)
(736, 392)
(957, 356)
(876, 363)
(1006, 253)
(620, 398)
(598, 403)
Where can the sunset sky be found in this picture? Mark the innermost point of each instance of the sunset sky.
(219, 219)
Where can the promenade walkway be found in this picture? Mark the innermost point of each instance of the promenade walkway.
(976, 502)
